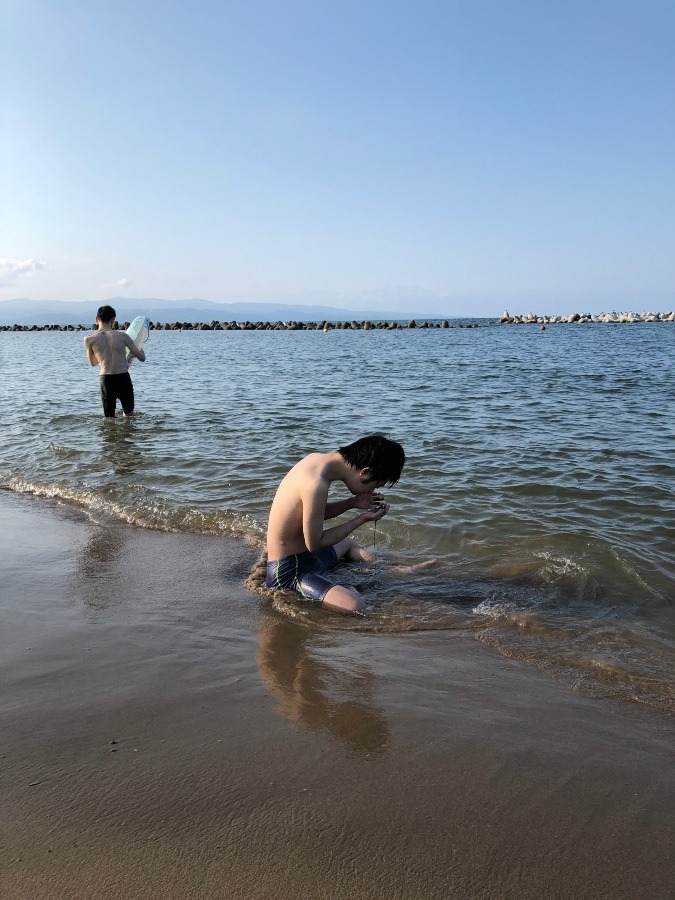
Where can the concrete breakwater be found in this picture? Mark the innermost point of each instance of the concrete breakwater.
(506, 319)
(612, 318)
(256, 326)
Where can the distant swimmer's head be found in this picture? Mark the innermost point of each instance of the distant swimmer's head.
(382, 459)
(106, 314)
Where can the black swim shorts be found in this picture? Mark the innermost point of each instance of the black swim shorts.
(114, 388)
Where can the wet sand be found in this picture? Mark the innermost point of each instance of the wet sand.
(165, 733)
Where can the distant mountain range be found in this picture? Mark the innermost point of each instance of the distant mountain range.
(56, 312)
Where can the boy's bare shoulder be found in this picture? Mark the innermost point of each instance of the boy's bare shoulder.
(307, 472)
(311, 460)
(311, 466)
(311, 476)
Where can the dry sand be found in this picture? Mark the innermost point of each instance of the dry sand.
(166, 734)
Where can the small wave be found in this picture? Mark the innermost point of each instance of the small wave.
(507, 614)
(581, 662)
(493, 608)
(63, 452)
(153, 513)
(632, 573)
(560, 566)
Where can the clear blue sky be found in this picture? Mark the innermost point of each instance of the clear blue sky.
(456, 157)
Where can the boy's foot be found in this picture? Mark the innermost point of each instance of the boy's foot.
(426, 564)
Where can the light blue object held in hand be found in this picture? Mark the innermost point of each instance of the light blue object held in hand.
(138, 332)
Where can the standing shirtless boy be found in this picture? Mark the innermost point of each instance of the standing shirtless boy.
(105, 348)
(299, 548)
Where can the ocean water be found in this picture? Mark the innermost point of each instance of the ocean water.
(540, 475)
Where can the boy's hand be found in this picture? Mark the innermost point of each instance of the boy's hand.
(365, 501)
(375, 511)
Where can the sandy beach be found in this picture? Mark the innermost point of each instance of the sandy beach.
(165, 733)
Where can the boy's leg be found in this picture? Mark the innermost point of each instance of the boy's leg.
(125, 393)
(313, 585)
(108, 397)
(349, 549)
(344, 600)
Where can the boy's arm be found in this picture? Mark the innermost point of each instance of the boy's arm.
(337, 507)
(362, 501)
(89, 350)
(139, 353)
(314, 508)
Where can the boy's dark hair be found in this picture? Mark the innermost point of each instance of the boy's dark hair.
(384, 458)
(106, 314)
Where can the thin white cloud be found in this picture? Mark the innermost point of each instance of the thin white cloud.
(121, 284)
(12, 269)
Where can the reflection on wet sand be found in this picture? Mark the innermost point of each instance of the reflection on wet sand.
(316, 695)
(97, 565)
(118, 448)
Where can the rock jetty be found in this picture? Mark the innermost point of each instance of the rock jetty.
(506, 319)
(612, 318)
(256, 326)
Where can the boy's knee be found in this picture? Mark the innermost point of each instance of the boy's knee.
(341, 600)
(343, 547)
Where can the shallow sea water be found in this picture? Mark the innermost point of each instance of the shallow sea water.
(540, 474)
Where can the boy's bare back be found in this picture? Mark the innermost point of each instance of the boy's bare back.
(105, 348)
(304, 483)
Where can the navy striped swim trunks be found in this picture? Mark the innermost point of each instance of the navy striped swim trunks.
(302, 572)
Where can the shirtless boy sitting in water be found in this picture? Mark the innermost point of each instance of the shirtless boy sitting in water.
(299, 548)
(105, 348)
